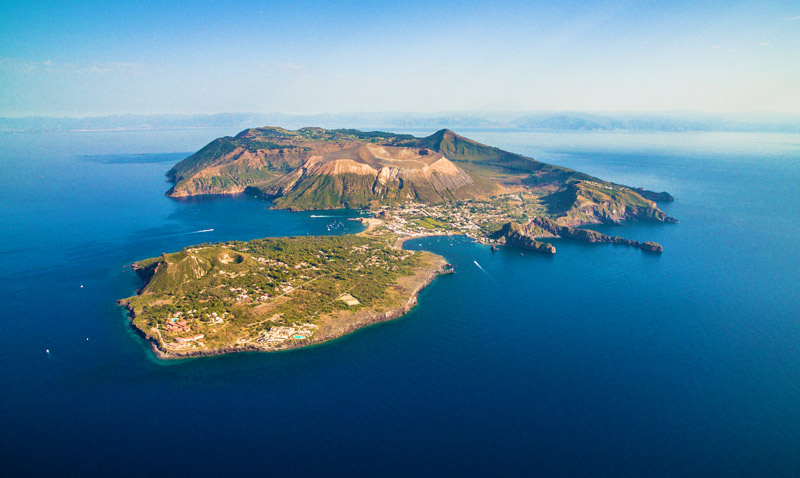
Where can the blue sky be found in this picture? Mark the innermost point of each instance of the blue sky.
(84, 58)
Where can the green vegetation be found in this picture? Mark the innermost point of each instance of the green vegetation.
(330, 192)
(488, 161)
(201, 159)
(256, 293)
(429, 223)
(587, 202)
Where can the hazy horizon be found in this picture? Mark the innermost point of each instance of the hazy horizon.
(764, 114)
(392, 121)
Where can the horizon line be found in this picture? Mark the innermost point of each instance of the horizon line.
(408, 112)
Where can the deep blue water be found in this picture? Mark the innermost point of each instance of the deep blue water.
(601, 360)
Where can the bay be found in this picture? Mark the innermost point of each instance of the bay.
(599, 360)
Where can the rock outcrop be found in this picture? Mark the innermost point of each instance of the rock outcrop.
(515, 234)
(525, 236)
(651, 247)
(663, 196)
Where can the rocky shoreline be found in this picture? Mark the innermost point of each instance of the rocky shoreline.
(524, 236)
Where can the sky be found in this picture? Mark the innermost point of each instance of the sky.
(86, 58)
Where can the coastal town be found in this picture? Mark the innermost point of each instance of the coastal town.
(474, 218)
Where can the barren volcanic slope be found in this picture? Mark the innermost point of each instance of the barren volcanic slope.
(257, 156)
(369, 174)
(315, 168)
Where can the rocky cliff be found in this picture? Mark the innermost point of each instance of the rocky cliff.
(525, 236)
(515, 234)
(259, 156)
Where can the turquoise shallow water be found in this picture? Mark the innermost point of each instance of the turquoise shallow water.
(599, 360)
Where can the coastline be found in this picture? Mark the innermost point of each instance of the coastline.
(330, 326)
(398, 244)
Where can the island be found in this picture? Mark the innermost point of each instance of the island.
(284, 293)
(315, 168)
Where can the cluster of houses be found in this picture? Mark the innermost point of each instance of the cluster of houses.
(176, 323)
(271, 262)
(464, 217)
(179, 322)
(279, 334)
(611, 187)
(286, 287)
(216, 319)
(241, 294)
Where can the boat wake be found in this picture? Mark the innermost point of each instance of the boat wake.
(483, 270)
(198, 232)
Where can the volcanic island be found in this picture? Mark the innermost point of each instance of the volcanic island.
(284, 293)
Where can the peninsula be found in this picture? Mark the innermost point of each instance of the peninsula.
(274, 294)
(277, 294)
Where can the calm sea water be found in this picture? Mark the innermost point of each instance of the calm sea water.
(601, 360)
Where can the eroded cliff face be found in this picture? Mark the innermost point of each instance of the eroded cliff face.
(517, 235)
(369, 174)
(233, 172)
(258, 156)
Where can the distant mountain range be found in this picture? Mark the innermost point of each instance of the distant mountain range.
(465, 121)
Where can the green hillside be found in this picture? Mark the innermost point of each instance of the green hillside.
(245, 295)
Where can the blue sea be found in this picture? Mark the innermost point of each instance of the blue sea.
(601, 360)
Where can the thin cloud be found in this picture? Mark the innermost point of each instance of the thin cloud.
(102, 68)
(278, 68)
(292, 66)
(30, 66)
(764, 43)
(796, 17)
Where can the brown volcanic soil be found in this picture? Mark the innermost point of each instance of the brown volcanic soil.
(371, 158)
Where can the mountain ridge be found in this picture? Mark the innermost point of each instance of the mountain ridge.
(663, 121)
(317, 168)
